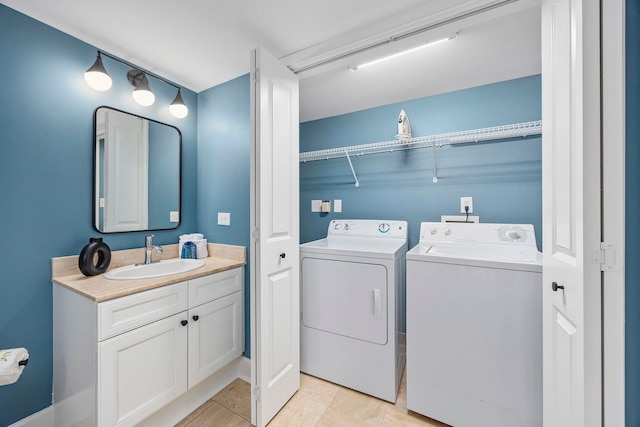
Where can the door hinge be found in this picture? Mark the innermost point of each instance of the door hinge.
(255, 76)
(256, 392)
(605, 256)
(255, 234)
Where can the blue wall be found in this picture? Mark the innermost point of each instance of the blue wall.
(504, 178)
(632, 290)
(46, 165)
(223, 169)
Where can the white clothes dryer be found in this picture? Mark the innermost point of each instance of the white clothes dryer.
(352, 293)
(474, 325)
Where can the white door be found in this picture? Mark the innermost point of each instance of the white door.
(275, 269)
(571, 212)
(126, 172)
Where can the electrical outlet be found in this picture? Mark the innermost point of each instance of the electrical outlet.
(466, 202)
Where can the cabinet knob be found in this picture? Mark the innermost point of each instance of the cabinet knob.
(283, 255)
(195, 318)
(184, 322)
(555, 286)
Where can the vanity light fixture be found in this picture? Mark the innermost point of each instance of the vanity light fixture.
(98, 78)
(178, 107)
(404, 52)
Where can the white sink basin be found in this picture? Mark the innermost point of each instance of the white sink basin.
(157, 269)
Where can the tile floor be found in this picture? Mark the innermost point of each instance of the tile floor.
(318, 403)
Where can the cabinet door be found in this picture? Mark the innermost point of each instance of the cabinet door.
(142, 370)
(216, 335)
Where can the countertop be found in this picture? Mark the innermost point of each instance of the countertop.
(65, 272)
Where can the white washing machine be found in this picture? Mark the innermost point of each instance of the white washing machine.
(474, 325)
(352, 293)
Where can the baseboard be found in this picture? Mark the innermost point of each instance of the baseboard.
(244, 369)
(44, 418)
(177, 410)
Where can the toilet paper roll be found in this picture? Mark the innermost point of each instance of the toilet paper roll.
(12, 363)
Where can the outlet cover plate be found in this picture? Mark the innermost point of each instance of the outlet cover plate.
(466, 201)
(224, 218)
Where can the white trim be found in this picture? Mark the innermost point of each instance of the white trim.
(177, 410)
(613, 201)
(44, 418)
(254, 224)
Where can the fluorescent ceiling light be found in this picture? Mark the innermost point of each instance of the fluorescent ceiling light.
(404, 52)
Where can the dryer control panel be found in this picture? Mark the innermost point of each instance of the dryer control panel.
(368, 228)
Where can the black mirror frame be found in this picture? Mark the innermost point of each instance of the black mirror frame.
(95, 158)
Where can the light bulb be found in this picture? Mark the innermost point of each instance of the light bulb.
(97, 76)
(178, 108)
(144, 97)
(142, 94)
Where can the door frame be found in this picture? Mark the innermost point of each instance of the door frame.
(613, 210)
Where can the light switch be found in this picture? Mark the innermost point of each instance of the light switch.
(316, 206)
(224, 218)
(174, 216)
(337, 205)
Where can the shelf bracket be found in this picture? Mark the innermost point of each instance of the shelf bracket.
(435, 169)
(357, 183)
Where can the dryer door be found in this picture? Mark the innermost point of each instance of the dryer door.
(345, 298)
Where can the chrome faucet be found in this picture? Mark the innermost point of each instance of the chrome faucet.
(149, 247)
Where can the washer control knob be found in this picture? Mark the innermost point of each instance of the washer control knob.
(347, 226)
(338, 226)
(384, 227)
(433, 231)
(447, 232)
(512, 235)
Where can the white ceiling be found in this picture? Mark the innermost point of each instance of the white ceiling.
(201, 43)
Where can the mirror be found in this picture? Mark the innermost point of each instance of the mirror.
(137, 173)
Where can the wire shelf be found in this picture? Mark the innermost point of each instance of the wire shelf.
(516, 130)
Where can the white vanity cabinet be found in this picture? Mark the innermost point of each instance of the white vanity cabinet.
(119, 361)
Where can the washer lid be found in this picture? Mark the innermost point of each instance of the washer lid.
(482, 255)
(481, 252)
